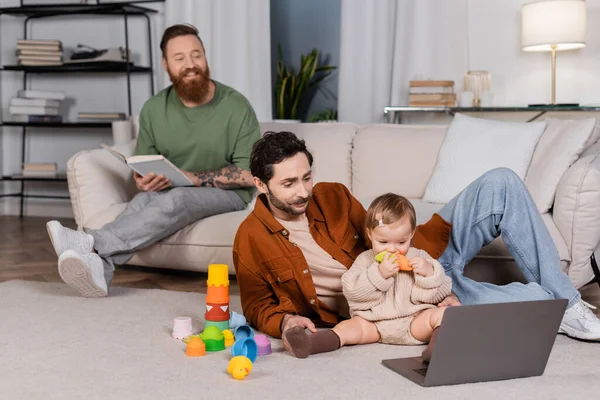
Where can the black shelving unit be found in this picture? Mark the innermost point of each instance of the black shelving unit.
(102, 67)
(74, 124)
(32, 12)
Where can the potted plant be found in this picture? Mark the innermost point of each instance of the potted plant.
(328, 115)
(292, 90)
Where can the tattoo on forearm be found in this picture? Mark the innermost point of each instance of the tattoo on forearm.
(230, 177)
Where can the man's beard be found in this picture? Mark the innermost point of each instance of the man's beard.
(194, 90)
(287, 208)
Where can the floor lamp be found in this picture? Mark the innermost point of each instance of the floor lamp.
(553, 25)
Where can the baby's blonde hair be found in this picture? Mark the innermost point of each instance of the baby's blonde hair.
(389, 208)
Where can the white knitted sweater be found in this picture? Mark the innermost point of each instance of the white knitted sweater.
(374, 298)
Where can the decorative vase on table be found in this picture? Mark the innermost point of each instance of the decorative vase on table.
(478, 82)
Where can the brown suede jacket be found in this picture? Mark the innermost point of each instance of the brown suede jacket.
(272, 273)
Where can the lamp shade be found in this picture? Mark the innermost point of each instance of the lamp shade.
(548, 23)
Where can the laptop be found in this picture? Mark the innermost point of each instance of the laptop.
(488, 342)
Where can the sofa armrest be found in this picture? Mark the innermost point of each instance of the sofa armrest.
(577, 213)
(97, 180)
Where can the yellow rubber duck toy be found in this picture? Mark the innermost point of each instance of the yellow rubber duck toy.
(239, 367)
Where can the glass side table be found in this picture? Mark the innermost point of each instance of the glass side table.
(393, 114)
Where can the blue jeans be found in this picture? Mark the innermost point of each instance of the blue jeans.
(498, 203)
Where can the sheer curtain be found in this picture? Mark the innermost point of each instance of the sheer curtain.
(236, 35)
(387, 43)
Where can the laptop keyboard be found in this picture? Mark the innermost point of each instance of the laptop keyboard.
(421, 371)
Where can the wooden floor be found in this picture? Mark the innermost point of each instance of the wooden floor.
(26, 253)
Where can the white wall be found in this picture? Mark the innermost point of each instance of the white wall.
(494, 44)
(86, 92)
(400, 40)
(520, 78)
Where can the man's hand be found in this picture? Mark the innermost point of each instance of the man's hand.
(388, 266)
(290, 321)
(421, 266)
(450, 301)
(151, 182)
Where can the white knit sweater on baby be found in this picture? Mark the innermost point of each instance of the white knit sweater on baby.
(374, 298)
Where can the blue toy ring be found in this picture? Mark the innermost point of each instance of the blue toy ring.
(245, 347)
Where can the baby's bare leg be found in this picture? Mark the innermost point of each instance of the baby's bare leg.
(356, 330)
(425, 322)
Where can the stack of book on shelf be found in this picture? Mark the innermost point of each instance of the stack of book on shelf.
(36, 106)
(431, 94)
(39, 170)
(102, 116)
(37, 53)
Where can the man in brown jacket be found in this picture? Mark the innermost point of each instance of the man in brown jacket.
(291, 251)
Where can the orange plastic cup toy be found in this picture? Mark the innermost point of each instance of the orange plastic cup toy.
(217, 294)
(403, 263)
(401, 260)
(195, 347)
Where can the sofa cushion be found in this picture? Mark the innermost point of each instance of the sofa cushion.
(330, 144)
(97, 181)
(394, 158)
(576, 211)
(559, 147)
(474, 146)
(208, 241)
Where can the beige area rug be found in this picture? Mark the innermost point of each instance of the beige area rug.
(56, 345)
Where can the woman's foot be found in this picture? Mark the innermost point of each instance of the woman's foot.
(303, 345)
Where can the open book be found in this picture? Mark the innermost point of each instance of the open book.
(158, 164)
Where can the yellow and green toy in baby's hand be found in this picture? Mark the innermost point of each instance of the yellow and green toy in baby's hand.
(401, 260)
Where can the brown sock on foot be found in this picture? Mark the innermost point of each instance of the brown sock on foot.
(324, 341)
(303, 345)
(428, 352)
(299, 341)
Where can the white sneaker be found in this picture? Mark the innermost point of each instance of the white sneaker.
(84, 273)
(580, 322)
(64, 239)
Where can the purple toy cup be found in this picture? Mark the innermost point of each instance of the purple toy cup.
(264, 345)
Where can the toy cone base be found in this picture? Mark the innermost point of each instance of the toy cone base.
(214, 345)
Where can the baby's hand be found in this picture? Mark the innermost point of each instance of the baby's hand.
(421, 266)
(388, 266)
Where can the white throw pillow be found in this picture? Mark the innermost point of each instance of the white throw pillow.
(473, 146)
(560, 146)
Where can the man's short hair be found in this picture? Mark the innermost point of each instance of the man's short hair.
(175, 31)
(273, 148)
